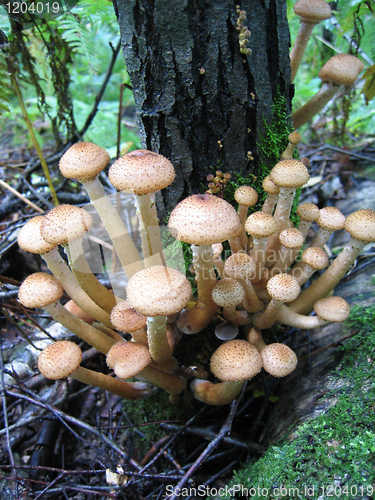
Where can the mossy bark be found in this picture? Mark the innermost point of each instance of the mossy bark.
(199, 100)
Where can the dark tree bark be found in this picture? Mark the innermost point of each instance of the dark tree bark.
(200, 101)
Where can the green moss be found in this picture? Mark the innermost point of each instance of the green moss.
(336, 448)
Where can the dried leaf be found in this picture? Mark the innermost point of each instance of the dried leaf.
(369, 87)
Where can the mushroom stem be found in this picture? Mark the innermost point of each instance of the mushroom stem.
(157, 338)
(221, 393)
(150, 231)
(254, 337)
(299, 46)
(84, 331)
(172, 384)
(287, 316)
(237, 318)
(69, 283)
(125, 248)
(126, 390)
(304, 114)
(267, 318)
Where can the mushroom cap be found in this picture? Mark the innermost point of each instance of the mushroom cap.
(361, 225)
(315, 257)
(289, 174)
(308, 212)
(127, 359)
(228, 292)
(246, 195)
(331, 218)
(333, 309)
(217, 248)
(269, 186)
(342, 69)
(260, 225)
(65, 223)
(291, 238)
(240, 266)
(72, 307)
(158, 291)
(294, 138)
(313, 11)
(141, 172)
(39, 290)
(235, 360)
(60, 359)
(126, 319)
(203, 219)
(283, 287)
(278, 359)
(83, 161)
(30, 238)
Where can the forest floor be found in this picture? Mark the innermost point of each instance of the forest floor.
(65, 440)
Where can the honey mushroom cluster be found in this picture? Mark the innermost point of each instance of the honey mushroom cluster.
(248, 291)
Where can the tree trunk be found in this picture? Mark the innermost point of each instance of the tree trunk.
(200, 101)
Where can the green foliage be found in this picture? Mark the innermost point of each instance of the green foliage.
(5, 85)
(337, 447)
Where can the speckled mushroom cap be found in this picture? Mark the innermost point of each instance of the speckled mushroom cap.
(126, 319)
(269, 186)
(65, 223)
(361, 225)
(236, 360)
(333, 309)
(289, 174)
(331, 218)
(294, 138)
(278, 359)
(128, 358)
(315, 257)
(158, 291)
(228, 292)
(260, 225)
(30, 238)
(246, 195)
(283, 287)
(39, 290)
(308, 212)
(342, 69)
(313, 11)
(83, 161)
(204, 219)
(59, 360)
(291, 238)
(141, 172)
(217, 248)
(240, 266)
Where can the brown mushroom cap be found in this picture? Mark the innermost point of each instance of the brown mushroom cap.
(269, 186)
(289, 174)
(158, 291)
(141, 172)
(128, 358)
(315, 257)
(308, 212)
(30, 238)
(39, 290)
(260, 225)
(291, 238)
(283, 287)
(342, 69)
(83, 161)
(236, 360)
(203, 219)
(313, 11)
(65, 223)
(240, 266)
(228, 292)
(278, 359)
(294, 138)
(126, 319)
(59, 360)
(361, 225)
(333, 309)
(246, 195)
(72, 307)
(331, 218)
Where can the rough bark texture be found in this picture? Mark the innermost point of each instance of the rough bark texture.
(199, 100)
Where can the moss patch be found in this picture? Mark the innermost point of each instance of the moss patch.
(338, 447)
